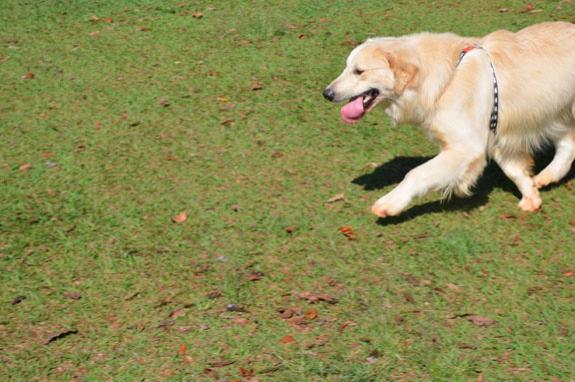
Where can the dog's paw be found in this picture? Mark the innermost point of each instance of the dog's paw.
(530, 203)
(543, 179)
(386, 207)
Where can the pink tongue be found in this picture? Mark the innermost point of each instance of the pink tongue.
(353, 111)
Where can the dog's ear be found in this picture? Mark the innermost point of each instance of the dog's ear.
(403, 71)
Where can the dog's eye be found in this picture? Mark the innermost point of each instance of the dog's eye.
(358, 72)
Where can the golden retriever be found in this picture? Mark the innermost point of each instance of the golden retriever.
(501, 96)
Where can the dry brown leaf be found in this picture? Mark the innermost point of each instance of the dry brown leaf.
(177, 313)
(291, 229)
(255, 276)
(61, 332)
(182, 350)
(568, 273)
(312, 298)
(347, 232)
(453, 287)
(408, 298)
(336, 198)
(256, 85)
(28, 76)
(246, 373)
(72, 295)
(287, 340)
(346, 324)
(220, 363)
(180, 218)
(311, 314)
(25, 167)
(240, 321)
(481, 321)
(197, 15)
(285, 313)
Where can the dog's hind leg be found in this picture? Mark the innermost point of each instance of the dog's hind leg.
(561, 163)
(518, 167)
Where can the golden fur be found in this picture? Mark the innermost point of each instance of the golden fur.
(420, 82)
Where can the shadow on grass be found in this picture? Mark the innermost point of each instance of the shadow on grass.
(394, 171)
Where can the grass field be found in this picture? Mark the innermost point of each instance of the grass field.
(116, 117)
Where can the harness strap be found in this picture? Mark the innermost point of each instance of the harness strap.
(493, 121)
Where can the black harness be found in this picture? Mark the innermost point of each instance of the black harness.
(495, 111)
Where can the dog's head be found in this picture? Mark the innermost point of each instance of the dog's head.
(374, 73)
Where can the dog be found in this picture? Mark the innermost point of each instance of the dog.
(500, 97)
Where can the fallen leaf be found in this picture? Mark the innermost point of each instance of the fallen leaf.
(18, 299)
(131, 296)
(25, 167)
(569, 273)
(228, 122)
(285, 313)
(408, 298)
(246, 373)
(481, 321)
(145, 29)
(480, 378)
(72, 295)
(336, 198)
(291, 229)
(255, 276)
(312, 298)
(287, 340)
(277, 155)
(311, 314)
(197, 15)
(28, 76)
(180, 218)
(347, 232)
(214, 294)
(59, 334)
(240, 321)
(346, 324)
(182, 350)
(177, 313)
(453, 287)
(528, 8)
(256, 85)
(94, 33)
(164, 102)
(184, 329)
(108, 20)
(399, 319)
(518, 370)
(220, 363)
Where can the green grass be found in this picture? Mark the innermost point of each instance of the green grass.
(129, 121)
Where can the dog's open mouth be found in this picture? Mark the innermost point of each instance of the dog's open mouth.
(358, 106)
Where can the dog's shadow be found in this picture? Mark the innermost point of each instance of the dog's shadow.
(394, 171)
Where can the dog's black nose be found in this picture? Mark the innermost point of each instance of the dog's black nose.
(329, 94)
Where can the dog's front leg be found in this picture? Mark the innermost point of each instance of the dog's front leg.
(442, 172)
